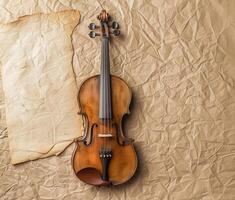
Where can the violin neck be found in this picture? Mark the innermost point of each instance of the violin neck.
(105, 104)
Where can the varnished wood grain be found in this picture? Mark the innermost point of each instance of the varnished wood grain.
(86, 161)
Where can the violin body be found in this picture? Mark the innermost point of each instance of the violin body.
(104, 156)
(86, 160)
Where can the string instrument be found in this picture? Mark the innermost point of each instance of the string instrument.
(103, 155)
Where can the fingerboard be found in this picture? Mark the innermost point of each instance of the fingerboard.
(105, 104)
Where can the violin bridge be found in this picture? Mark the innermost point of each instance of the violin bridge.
(105, 135)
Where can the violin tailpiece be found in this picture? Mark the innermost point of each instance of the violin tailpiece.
(105, 157)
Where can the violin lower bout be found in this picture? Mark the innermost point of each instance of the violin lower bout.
(88, 167)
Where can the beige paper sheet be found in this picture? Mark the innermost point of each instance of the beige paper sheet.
(39, 84)
(178, 58)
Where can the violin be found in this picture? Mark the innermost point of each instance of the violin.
(104, 155)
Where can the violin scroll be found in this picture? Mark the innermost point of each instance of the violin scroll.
(103, 16)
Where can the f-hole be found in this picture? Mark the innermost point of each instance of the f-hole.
(90, 135)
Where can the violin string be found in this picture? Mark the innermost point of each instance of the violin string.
(110, 101)
(106, 84)
(108, 87)
(103, 142)
(105, 87)
(106, 75)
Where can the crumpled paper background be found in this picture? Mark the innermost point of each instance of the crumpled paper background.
(178, 58)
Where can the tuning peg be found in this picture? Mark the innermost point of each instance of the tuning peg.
(116, 32)
(92, 34)
(92, 26)
(115, 25)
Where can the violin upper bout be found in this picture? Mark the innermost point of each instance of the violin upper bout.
(121, 98)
